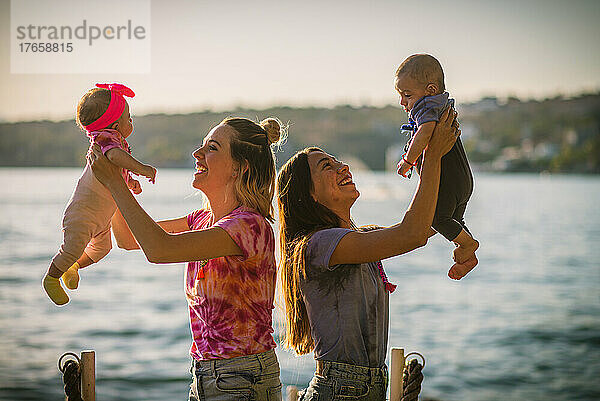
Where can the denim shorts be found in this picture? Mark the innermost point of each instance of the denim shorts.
(244, 378)
(340, 381)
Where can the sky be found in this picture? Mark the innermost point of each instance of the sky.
(227, 54)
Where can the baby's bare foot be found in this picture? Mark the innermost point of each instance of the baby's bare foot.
(459, 270)
(465, 251)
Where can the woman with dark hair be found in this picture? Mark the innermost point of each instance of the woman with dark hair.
(335, 291)
(230, 249)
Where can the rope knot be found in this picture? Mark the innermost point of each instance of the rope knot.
(71, 376)
(412, 378)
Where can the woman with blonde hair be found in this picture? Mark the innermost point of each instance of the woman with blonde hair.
(229, 246)
(335, 290)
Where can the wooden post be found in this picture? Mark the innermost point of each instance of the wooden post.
(292, 393)
(88, 375)
(396, 369)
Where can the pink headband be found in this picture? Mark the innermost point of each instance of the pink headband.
(115, 107)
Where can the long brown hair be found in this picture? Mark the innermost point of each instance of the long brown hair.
(299, 217)
(251, 148)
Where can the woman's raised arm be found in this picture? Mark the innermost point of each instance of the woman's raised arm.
(413, 231)
(158, 245)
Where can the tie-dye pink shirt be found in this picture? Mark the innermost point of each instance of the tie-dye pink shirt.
(230, 298)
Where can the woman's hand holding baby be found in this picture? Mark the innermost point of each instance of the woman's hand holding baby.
(445, 134)
(109, 173)
(104, 171)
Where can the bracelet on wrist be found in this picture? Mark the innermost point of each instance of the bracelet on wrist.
(407, 162)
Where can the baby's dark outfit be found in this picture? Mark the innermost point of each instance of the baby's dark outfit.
(456, 180)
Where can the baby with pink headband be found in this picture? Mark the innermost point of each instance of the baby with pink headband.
(103, 113)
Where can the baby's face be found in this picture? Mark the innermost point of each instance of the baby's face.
(410, 90)
(124, 123)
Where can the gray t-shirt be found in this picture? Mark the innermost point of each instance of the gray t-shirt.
(347, 305)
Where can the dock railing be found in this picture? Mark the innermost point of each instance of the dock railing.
(87, 370)
(79, 372)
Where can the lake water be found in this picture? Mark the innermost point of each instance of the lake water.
(524, 325)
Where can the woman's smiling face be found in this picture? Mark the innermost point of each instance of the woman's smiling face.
(215, 168)
(332, 183)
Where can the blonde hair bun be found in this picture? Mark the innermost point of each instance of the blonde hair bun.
(273, 129)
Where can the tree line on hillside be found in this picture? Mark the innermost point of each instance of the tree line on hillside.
(559, 134)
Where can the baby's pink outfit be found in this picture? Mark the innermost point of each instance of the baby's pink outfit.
(86, 222)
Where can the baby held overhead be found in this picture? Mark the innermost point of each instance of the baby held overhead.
(103, 114)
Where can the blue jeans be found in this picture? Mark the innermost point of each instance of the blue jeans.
(340, 381)
(244, 378)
